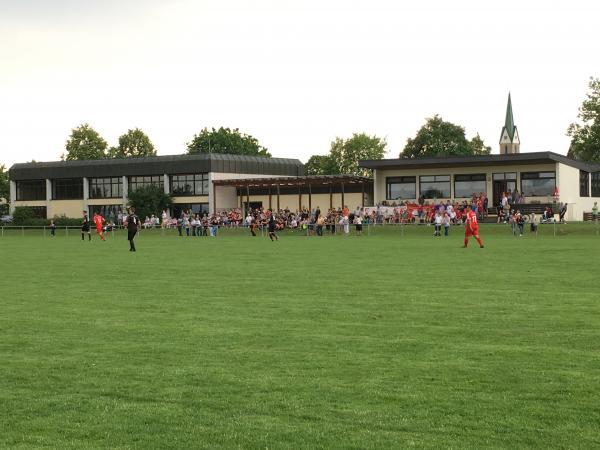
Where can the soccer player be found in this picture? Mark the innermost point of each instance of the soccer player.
(99, 220)
(85, 227)
(132, 222)
(471, 227)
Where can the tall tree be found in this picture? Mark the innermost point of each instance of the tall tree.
(85, 143)
(478, 147)
(440, 138)
(226, 140)
(133, 144)
(346, 153)
(148, 200)
(585, 136)
(320, 165)
(4, 189)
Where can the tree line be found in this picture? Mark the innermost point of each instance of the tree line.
(435, 138)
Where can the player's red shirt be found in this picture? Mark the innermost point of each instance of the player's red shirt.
(472, 220)
(98, 221)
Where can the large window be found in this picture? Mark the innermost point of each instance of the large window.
(106, 187)
(435, 186)
(195, 208)
(401, 188)
(112, 213)
(186, 185)
(584, 183)
(31, 190)
(152, 180)
(596, 184)
(467, 185)
(67, 189)
(538, 184)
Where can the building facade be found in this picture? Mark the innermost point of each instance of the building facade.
(66, 188)
(542, 177)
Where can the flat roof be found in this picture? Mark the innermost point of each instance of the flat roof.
(157, 165)
(479, 160)
(314, 180)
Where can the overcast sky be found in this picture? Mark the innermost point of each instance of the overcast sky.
(293, 74)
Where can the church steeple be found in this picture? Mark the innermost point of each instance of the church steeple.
(509, 138)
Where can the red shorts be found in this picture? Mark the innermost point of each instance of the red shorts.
(471, 231)
(98, 230)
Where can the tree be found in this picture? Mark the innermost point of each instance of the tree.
(478, 147)
(346, 153)
(585, 137)
(85, 143)
(4, 189)
(225, 140)
(133, 144)
(440, 138)
(148, 200)
(320, 165)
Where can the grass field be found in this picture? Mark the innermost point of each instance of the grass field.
(382, 341)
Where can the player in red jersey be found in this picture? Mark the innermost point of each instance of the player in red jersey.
(471, 227)
(99, 220)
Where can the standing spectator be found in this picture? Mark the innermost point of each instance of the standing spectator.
(438, 224)
(562, 212)
(446, 221)
(358, 224)
(52, 228)
(165, 219)
(520, 222)
(595, 212)
(533, 223)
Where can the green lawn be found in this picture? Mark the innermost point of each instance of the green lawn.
(391, 340)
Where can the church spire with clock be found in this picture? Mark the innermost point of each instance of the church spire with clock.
(509, 138)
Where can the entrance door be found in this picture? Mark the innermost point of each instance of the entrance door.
(499, 187)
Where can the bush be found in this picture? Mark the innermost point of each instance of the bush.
(23, 215)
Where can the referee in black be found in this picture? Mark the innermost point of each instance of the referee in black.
(132, 223)
(85, 227)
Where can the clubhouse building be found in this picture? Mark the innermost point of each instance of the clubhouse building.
(210, 183)
(544, 178)
(205, 183)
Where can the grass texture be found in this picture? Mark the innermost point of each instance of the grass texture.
(395, 339)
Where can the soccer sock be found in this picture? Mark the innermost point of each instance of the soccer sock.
(466, 241)
(479, 240)
(89, 237)
(83, 236)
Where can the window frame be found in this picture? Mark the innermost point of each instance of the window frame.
(144, 180)
(584, 183)
(111, 183)
(435, 180)
(595, 184)
(199, 184)
(19, 184)
(525, 176)
(470, 177)
(400, 180)
(64, 189)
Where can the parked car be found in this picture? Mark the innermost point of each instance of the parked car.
(6, 219)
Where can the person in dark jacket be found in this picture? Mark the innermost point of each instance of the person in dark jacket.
(132, 223)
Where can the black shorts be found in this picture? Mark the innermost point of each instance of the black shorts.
(358, 227)
(85, 229)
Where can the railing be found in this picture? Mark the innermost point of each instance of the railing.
(369, 229)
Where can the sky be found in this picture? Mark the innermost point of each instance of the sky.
(295, 75)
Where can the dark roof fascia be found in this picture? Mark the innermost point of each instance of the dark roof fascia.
(157, 165)
(483, 160)
(295, 181)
